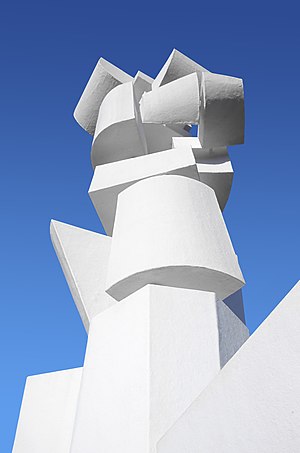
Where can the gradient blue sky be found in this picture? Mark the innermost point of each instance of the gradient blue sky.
(48, 50)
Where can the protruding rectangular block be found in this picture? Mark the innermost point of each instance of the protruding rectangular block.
(111, 179)
(222, 118)
(253, 403)
(47, 413)
(147, 358)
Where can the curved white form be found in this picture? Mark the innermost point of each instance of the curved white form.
(169, 230)
(222, 119)
(104, 78)
(177, 102)
(111, 179)
(119, 133)
(213, 165)
(215, 102)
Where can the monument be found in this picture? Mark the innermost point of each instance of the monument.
(169, 364)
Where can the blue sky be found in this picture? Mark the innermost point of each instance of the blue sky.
(48, 50)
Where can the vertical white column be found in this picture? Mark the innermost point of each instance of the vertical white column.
(147, 359)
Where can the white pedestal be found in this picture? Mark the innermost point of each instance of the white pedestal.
(147, 358)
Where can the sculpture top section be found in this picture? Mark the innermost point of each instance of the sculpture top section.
(133, 116)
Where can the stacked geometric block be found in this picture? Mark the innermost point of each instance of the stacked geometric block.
(160, 294)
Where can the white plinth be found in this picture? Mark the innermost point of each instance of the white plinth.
(48, 411)
(147, 358)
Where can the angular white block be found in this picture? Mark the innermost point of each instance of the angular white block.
(119, 134)
(146, 360)
(83, 256)
(104, 78)
(111, 179)
(175, 103)
(214, 166)
(222, 118)
(216, 103)
(169, 230)
(253, 404)
(159, 136)
(48, 411)
(177, 65)
(201, 154)
(141, 83)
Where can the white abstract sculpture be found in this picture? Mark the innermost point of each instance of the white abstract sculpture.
(160, 295)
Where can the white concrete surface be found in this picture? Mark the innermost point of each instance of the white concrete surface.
(253, 404)
(174, 103)
(177, 65)
(147, 358)
(159, 136)
(217, 174)
(104, 78)
(119, 133)
(163, 371)
(169, 230)
(201, 154)
(83, 256)
(222, 118)
(111, 179)
(213, 165)
(47, 414)
(141, 83)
